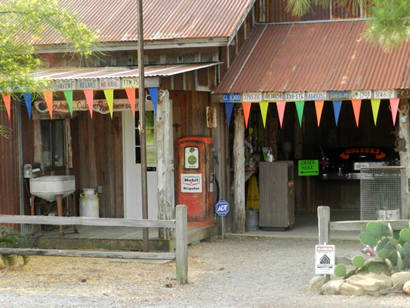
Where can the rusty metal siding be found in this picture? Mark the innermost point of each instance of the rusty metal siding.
(115, 21)
(9, 173)
(316, 57)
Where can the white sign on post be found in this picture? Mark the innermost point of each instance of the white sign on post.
(324, 259)
(191, 183)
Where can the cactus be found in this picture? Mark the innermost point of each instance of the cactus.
(358, 261)
(405, 235)
(340, 270)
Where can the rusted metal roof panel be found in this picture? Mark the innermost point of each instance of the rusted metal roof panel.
(116, 21)
(325, 56)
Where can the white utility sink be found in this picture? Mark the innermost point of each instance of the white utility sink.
(48, 187)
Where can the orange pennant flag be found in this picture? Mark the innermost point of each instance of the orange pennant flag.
(48, 96)
(246, 108)
(281, 111)
(394, 106)
(319, 108)
(89, 97)
(131, 98)
(7, 103)
(357, 104)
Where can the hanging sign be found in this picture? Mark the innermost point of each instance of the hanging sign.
(273, 96)
(110, 83)
(88, 84)
(294, 96)
(222, 208)
(308, 167)
(384, 94)
(127, 83)
(325, 257)
(339, 95)
(361, 94)
(252, 97)
(316, 96)
(232, 98)
(63, 84)
(191, 183)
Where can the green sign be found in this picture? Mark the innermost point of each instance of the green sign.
(308, 167)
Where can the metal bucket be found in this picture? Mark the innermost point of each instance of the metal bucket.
(252, 220)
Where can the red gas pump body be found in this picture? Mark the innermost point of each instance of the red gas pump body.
(194, 187)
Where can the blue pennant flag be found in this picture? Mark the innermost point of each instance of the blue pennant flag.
(228, 112)
(337, 105)
(28, 101)
(153, 92)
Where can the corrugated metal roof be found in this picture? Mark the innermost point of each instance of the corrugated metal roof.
(116, 21)
(326, 56)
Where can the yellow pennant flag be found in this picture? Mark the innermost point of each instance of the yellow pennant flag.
(109, 96)
(375, 109)
(264, 111)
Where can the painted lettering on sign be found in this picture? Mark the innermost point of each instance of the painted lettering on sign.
(339, 95)
(273, 96)
(63, 84)
(294, 96)
(308, 167)
(110, 83)
(191, 183)
(129, 83)
(89, 83)
(232, 98)
(316, 96)
(252, 97)
(325, 258)
(384, 94)
(361, 94)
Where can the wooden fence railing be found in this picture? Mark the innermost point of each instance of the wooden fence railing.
(179, 224)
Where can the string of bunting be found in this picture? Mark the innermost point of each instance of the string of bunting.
(319, 104)
(89, 97)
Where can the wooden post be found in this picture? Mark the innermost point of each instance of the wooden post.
(239, 172)
(181, 243)
(404, 150)
(323, 218)
(165, 162)
(59, 199)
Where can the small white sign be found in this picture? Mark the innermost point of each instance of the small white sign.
(252, 97)
(294, 96)
(191, 183)
(324, 259)
(191, 158)
(361, 94)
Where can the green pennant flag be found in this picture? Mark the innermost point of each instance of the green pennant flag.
(300, 105)
(109, 96)
(69, 98)
(264, 111)
(375, 109)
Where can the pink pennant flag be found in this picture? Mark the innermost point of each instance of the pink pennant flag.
(319, 109)
(89, 97)
(7, 103)
(246, 108)
(48, 96)
(357, 104)
(281, 111)
(394, 106)
(131, 98)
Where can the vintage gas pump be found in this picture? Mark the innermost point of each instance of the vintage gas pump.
(195, 183)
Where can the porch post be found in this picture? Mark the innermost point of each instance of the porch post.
(165, 161)
(404, 150)
(239, 172)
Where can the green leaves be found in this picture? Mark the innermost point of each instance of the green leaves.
(340, 270)
(11, 238)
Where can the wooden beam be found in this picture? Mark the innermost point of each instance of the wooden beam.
(86, 221)
(90, 254)
(181, 243)
(404, 151)
(358, 225)
(323, 218)
(239, 172)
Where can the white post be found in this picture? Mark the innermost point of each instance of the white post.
(404, 150)
(323, 218)
(181, 243)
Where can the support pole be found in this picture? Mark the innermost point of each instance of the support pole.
(323, 218)
(181, 243)
(404, 150)
(239, 172)
(141, 105)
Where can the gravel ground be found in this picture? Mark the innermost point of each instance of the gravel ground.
(233, 273)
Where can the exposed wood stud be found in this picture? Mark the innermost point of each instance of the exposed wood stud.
(323, 216)
(181, 243)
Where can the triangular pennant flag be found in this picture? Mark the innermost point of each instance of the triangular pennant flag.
(109, 96)
(131, 98)
(375, 109)
(7, 103)
(394, 106)
(300, 106)
(153, 92)
(337, 105)
(246, 107)
(281, 111)
(264, 111)
(357, 104)
(48, 96)
(228, 112)
(69, 98)
(28, 100)
(89, 97)
(319, 109)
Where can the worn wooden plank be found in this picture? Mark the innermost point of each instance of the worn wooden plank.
(323, 216)
(404, 151)
(90, 254)
(357, 225)
(86, 221)
(181, 243)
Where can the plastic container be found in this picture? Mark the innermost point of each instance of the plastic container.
(89, 206)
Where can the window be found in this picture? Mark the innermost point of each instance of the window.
(150, 138)
(52, 139)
